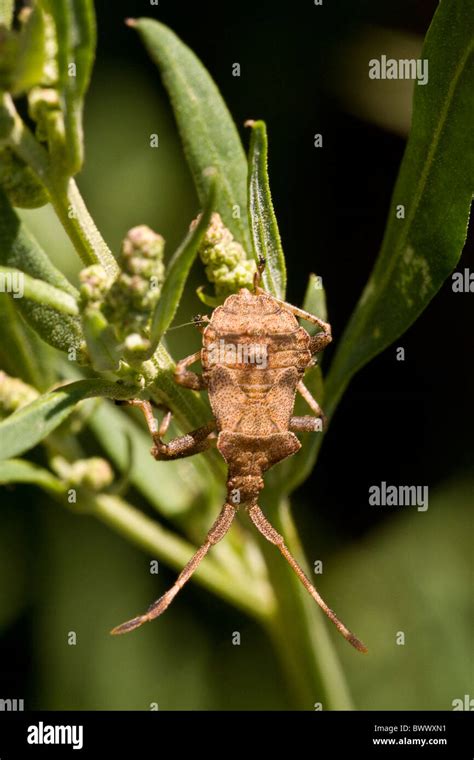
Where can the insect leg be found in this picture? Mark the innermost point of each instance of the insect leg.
(184, 445)
(314, 406)
(306, 424)
(216, 533)
(257, 278)
(268, 531)
(186, 378)
(318, 341)
(309, 398)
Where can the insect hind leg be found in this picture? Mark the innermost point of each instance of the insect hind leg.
(268, 531)
(216, 533)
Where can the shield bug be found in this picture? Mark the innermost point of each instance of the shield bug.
(254, 355)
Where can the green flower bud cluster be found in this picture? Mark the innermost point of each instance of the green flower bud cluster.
(131, 300)
(117, 313)
(14, 393)
(224, 258)
(94, 473)
(95, 284)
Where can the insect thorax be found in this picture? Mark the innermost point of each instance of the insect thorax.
(254, 354)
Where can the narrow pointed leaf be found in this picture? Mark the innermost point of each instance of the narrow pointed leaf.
(75, 39)
(429, 212)
(22, 471)
(22, 353)
(262, 220)
(38, 291)
(102, 344)
(19, 249)
(30, 424)
(314, 302)
(177, 273)
(207, 130)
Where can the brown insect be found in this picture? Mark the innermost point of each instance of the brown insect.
(254, 356)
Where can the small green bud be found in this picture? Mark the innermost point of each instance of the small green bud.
(41, 101)
(45, 108)
(102, 344)
(224, 258)
(132, 298)
(94, 473)
(136, 343)
(95, 283)
(14, 393)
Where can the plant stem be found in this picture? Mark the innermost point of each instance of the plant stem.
(81, 229)
(297, 628)
(63, 192)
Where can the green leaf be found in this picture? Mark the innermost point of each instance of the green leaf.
(75, 39)
(262, 220)
(315, 302)
(64, 195)
(207, 130)
(177, 273)
(208, 300)
(102, 345)
(31, 54)
(22, 186)
(171, 487)
(29, 425)
(22, 353)
(21, 471)
(435, 187)
(22, 285)
(19, 249)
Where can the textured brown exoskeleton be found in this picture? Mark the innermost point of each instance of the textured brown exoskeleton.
(254, 356)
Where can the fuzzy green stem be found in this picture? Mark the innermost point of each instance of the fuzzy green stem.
(64, 193)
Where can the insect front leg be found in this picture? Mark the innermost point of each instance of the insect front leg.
(186, 378)
(318, 341)
(184, 445)
(308, 424)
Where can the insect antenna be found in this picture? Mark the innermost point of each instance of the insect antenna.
(197, 321)
(268, 531)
